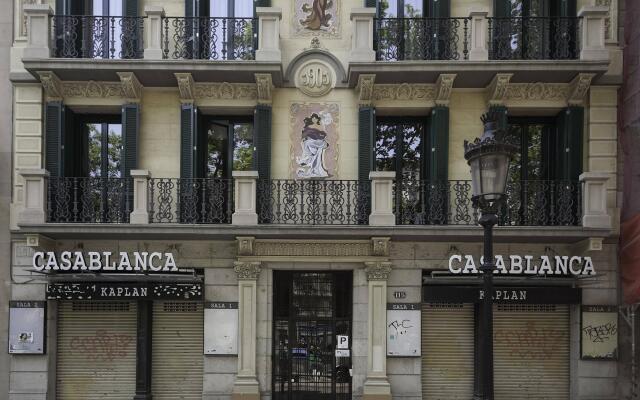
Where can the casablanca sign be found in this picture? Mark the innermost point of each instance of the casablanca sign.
(526, 265)
(105, 261)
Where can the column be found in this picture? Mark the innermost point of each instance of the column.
(244, 200)
(34, 209)
(38, 30)
(153, 44)
(246, 386)
(376, 385)
(382, 198)
(140, 213)
(592, 35)
(479, 31)
(594, 200)
(362, 36)
(268, 34)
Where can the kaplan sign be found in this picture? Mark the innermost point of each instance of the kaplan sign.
(527, 265)
(95, 261)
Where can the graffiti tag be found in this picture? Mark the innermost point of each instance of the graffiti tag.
(103, 346)
(600, 333)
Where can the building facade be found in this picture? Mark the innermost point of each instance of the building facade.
(269, 200)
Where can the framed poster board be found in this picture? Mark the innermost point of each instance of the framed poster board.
(403, 330)
(27, 327)
(599, 333)
(220, 328)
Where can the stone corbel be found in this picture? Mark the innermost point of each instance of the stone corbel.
(40, 242)
(186, 85)
(247, 270)
(444, 85)
(578, 89)
(264, 85)
(496, 92)
(380, 246)
(51, 84)
(587, 246)
(365, 89)
(378, 270)
(245, 245)
(131, 86)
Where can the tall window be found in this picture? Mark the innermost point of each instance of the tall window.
(229, 146)
(104, 149)
(399, 147)
(231, 8)
(401, 8)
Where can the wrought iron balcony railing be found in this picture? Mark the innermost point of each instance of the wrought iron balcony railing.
(534, 38)
(89, 200)
(398, 39)
(529, 203)
(313, 202)
(88, 36)
(190, 201)
(207, 38)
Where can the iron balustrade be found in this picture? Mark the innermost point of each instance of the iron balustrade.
(529, 203)
(89, 199)
(190, 201)
(314, 202)
(534, 38)
(422, 38)
(209, 38)
(88, 36)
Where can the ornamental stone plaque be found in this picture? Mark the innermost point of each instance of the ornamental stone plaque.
(315, 78)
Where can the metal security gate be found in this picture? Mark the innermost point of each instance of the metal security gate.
(531, 351)
(96, 356)
(310, 310)
(447, 351)
(177, 350)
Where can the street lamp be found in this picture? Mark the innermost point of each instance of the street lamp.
(489, 158)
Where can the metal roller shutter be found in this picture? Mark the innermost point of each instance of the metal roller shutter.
(447, 351)
(96, 350)
(531, 352)
(177, 350)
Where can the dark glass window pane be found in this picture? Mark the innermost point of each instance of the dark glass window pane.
(411, 157)
(534, 152)
(216, 148)
(114, 152)
(95, 149)
(242, 147)
(385, 150)
(515, 173)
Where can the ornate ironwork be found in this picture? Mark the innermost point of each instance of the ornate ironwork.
(123, 290)
(87, 36)
(314, 202)
(528, 203)
(208, 38)
(190, 201)
(421, 39)
(534, 38)
(89, 200)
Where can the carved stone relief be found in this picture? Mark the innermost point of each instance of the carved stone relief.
(404, 91)
(378, 271)
(315, 78)
(247, 270)
(226, 91)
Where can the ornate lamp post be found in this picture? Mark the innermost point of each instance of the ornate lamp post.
(489, 158)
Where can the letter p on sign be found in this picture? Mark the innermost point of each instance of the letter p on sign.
(343, 342)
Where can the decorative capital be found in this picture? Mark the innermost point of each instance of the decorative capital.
(247, 270)
(51, 85)
(444, 84)
(578, 89)
(264, 85)
(378, 271)
(131, 86)
(365, 87)
(380, 246)
(245, 245)
(496, 92)
(186, 86)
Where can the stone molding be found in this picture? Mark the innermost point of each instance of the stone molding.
(131, 86)
(380, 246)
(443, 88)
(404, 91)
(377, 271)
(185, 86)
(500, 91)
(365, 87)
(128, 89)
(245, 245)
(247, 270)
(611, 21)
(264, 87)
(51, 84)
(226, 91)
(326, 250)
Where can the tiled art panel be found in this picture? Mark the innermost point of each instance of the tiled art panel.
(316, 17)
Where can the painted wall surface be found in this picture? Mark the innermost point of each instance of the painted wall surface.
(159, 139)
(465, 109)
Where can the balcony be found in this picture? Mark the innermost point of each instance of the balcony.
(153, 46)
(142, 205)
(476, 47)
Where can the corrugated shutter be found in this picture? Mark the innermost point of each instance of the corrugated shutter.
(447, 351)
(177, 350)
(531, 352)
(96, 350)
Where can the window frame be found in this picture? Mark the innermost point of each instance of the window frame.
(206, 121)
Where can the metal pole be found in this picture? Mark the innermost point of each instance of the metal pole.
(488, 220)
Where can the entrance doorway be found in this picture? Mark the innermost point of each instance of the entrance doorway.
(312, 311)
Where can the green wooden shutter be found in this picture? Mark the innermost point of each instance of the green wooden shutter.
(438, 145)
(565, 8)
(263, 3)
(187, 141)
(262, 138)
(501, 8)
(131, 44)
(570, 131)
(366, 129)
(370, 3)
(503, 116)
(53, 121)
(130, 128)
(438, 9)
(130, 8)
(200, 143)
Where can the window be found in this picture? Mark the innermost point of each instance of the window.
(399, 147)
(401, 8)
(229, 146)
(231, 8)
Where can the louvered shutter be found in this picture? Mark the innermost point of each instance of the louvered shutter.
(447, 351)
(370, 3)
(131, 43)
(262, 137)
(438, 9)
(96, 356)
(501, 8)
(130, 129)
(187, 141)
(531, 351)
(366, 128)
(177, 348)
(437, 173)
(570, 130)
(263, 3)
(54, 121)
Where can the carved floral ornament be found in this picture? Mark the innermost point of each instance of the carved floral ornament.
(128, 88)
(247, 270)
(378, 271)
(501, 91)
(191, 90)
(404, 91)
